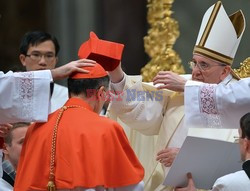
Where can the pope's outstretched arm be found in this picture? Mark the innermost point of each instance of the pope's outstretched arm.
(24, 96)
(135, 104)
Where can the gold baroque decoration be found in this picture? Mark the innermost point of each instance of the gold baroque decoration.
(159, 42)
(244, 70)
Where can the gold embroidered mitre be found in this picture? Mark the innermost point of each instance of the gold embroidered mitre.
(220, 34)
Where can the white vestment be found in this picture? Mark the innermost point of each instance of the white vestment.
(59, 97)
(216, 105)
(5, 186)
(160, 114)
(238, 181)
(24, 96)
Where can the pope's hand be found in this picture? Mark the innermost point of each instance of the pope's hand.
(170, 80)
(167, 156)
(117, 74)
(74, 66)
(4, 129)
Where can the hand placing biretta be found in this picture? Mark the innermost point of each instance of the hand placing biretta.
(106, 53)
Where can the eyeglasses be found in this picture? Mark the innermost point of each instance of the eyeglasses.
(37, 56)
(203, 66)
(237, 139)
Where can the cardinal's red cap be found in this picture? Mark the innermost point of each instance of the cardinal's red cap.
(106, 53)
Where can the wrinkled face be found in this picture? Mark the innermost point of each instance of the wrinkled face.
(13, 151)
(40, 57)
(207, 70)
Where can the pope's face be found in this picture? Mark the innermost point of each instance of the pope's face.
(40, 57)
(207, 70)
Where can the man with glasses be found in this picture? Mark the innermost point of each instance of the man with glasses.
(38, 51)
(213, 54)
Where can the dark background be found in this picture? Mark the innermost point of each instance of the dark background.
(116, 20)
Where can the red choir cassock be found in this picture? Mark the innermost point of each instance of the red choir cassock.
(91, 150)
(77, 148)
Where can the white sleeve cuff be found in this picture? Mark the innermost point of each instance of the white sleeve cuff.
(193, 83)
(43, 74)
(118, 87)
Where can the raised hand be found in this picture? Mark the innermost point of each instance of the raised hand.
(170, 80)
(117, 74)
(74, 66)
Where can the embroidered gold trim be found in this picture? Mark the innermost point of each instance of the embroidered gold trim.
(213, 55)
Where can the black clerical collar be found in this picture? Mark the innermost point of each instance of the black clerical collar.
(9, 172)
(246, 167)
(8, 178)
(51, 88)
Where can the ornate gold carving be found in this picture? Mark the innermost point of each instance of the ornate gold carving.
(159, 42)
(244, 70)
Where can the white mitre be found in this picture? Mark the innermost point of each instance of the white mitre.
(220, 34)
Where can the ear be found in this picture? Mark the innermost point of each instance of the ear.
(225, 72)
(247, 144)
(100, 99)
(5, 149)
(22, 59)
(100, 95)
